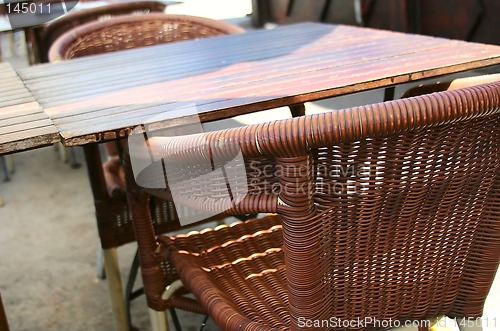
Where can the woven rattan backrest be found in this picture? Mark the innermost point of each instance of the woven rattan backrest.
(53, 30)
(389, 210)
(126, 31)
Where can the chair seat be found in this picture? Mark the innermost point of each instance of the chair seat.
(236, 270)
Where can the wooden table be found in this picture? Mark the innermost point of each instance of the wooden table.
(100, 98)
(23, 123)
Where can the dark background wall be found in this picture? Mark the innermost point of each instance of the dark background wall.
(471, 20)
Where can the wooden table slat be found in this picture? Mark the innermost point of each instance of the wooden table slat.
(122, 103)
(190, 48)
(243, 51)
(28, 119)
(98, 98)
(23, 124)
(188, 65)
(59, 94)
(21, 110)
(34, 138)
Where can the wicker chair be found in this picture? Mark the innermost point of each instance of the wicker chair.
(44, 36)
(127, 32)
(389, 211)
(123, 32)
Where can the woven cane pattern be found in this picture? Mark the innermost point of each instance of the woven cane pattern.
(245, 261)
(407, 226)
(389, 211)
(131, 31)
(48, 34)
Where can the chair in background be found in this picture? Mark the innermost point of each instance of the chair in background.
(112, 213)
(44, 36)
(4, 325)
(389, 211)
(7, 165)
(41, 38)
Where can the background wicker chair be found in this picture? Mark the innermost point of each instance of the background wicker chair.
(389, 211)
(44, 36)
(113, 217)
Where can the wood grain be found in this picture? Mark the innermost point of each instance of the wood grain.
(23, 123)
(98, 98)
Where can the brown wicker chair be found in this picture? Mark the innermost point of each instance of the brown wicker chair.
(44, 36)
(123, 32)
(389, 211)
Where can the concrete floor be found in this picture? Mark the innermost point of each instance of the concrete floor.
(48, 238)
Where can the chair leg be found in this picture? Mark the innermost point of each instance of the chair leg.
(115, 288)
(158, 320)
(18, 43)
(130, 294)
(62, 152)
(12, 44)
(11, 167)
(129, 288)
(100, 271)
(175, 320)
(297, 110)
(389, 93)
(73, 161)
(68, 155)
(3, 164)
(204, 323)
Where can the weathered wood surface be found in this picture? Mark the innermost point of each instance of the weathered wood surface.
(102, 97)
(23, 123)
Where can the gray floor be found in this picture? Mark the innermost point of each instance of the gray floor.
(48, 238)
